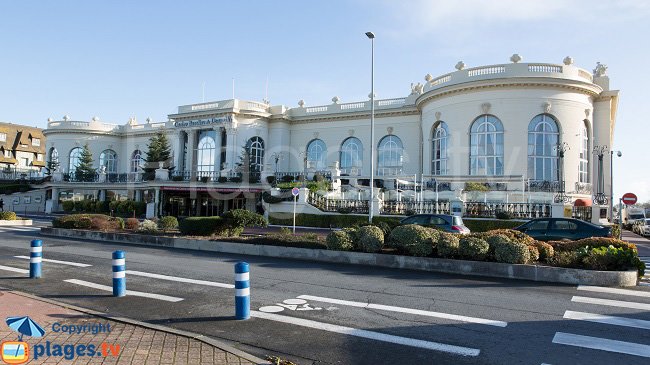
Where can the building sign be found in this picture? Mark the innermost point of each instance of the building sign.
(203, 122)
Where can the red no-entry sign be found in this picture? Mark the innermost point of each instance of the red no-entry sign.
(629, 199)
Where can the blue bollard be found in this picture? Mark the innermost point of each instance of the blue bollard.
(242, 291)
(35, 259)
(119, 277)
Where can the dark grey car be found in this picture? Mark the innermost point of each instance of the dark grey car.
(557, 229)
(445, 222)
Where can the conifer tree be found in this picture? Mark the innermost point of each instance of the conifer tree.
(85, 170)
(158, 150)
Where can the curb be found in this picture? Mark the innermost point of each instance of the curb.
(195, 336)
(479, 268)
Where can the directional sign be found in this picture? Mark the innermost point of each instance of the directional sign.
(629, 199)
(295, 191)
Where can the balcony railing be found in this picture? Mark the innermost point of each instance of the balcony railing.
(583, 188)
(415, 207)
(109, 177)
(516, 210)
(338, 205)
(545, 186)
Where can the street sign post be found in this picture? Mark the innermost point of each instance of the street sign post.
(295, 192)
(629, 199)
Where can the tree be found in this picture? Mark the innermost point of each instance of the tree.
(85, 170)
(158, 150)
(250, 171)
(52, 166)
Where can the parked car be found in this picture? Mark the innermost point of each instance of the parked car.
(558, 229)
(445, 222)
(645, 228)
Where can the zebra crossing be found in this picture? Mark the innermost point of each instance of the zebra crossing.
(17, 229)
(620, 299)
(645, 280)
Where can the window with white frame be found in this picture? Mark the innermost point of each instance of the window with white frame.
(256, 151)
(486, 146)
(3, 137)
(583, 167)
(36, 142)
(39, 157)
(439, 149)
(206, 152)
(390, 155)
(543, 140)
(75, 159)
(317, 154)
(8, 154)
(108, 159)
(351, 154)
(136, 161)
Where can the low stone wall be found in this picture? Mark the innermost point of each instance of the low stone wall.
(479, 268)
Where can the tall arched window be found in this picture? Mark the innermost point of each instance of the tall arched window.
(543, 139)
(583, 168)
(54, 160)
(317, 154)
(136, 161)
(351, 154)
(75, 159)
(439, 149)
(486, 141)
(206, 152)
(390, 153)
(256, 151)
(108, 159)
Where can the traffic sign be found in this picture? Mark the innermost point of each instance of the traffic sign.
(629, 199)
(295, 191)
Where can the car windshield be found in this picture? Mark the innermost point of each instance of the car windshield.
(647, 222)
(636, 216)
(458, 221)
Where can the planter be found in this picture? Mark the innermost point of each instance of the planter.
(462, 267)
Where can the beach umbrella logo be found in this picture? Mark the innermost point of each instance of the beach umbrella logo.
(17, 352)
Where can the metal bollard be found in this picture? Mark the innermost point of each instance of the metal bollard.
(242, 291)
(35, 259)
(119, 277)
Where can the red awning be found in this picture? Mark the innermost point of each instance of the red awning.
(582, 203)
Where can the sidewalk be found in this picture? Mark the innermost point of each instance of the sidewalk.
(137, 344)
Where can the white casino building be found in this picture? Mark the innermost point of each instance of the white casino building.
(528, 133)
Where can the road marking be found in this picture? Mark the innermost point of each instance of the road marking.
(629, 348)
(14, 269)
(77, 264)
(611, 303)
(600, 289)
(406, 310)
(128, 292)
(21, 229)
(599, 318)
(182, 280)
(436, 346)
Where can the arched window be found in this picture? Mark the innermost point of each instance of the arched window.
(439, 149)
(486, 141)
(136, 161)
(206, 152)
(108, 159)
(317, 154)
(351, 154)
(54, 160)
(75, 159)
(583, 168)
(390, 153)
(256, 151)
(543, 139)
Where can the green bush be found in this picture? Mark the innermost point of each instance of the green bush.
(591, 242)
(371, 239)
(148, 226)
(616, 231)
(202, 226)
(68, 206)
(565, 259)
(413, 239)
(448, 245)
(119, 222)
(534, 253)
(168, 223)
(238, 219)
(353, 232)
(611, 258)
(512, 252)
(475, 186)
(494, 241)
(8, 216)
(85, 221)
(339, 240)
(268, 198)
(484, 225)
(503, 215)
(473, 248)
(513, 235)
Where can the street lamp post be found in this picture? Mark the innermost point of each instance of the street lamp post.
(611, 183)
(371, 204)
(600, 198)
(560, 196)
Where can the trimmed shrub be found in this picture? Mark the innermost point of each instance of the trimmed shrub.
(495, 241)
(330, 220)
(8, 216)
(534, 253)
(353, 232)
(611, 258)
(503, 215)
(148, 226)
(513, 235)
(268, 198)
(238, 219)
(168, 223)
(119, 222)
(448, 245)
(132, 223)
(222, 179)
(512, 253)
(473, 248)
(616, 231)
(68, 206)
(339, 240)
(544, 249)
(591, 242)
(565, 259)
(371, 239)
(84, 221)
(202, 226)
(413, 239)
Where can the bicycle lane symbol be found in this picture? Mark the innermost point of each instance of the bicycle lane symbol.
(293, 305)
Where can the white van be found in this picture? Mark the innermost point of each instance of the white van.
(633, 215)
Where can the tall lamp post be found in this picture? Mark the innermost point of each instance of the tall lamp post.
(611, 183)
(560, 196)
(371, 36)
(600, 198)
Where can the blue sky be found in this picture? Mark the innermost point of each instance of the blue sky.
(116, 59)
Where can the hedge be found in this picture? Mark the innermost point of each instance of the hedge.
(332, 220)
(201, 226)
(87, 221)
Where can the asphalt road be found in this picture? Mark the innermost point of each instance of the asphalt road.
(342, 314)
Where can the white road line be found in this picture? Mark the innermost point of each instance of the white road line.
(14, 269)
(436, 346)
(69, 263)
(611, 303)
(600, 289)
(629, 348)
(182, 280)
(419, 312)
(128, 292)
(599, 318)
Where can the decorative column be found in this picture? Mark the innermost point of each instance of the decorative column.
(217, 149)
(560, 196)
(55, 199)
(231, 148)
(599, 197)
